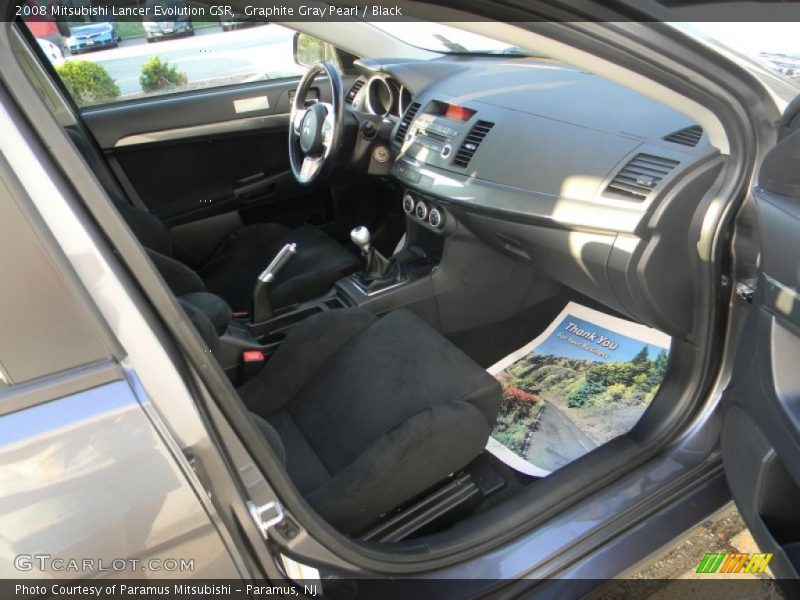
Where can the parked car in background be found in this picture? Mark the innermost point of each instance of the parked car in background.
(167, 26)
(92, 36)
(239, 21)
(53, 53)
(786, 64)
(49, 30)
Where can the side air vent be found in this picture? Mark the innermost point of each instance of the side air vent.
(640, 177)
(470, 144)
(353, 91)
(405, 122)
(689, 136)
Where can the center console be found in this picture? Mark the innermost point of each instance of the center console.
(442, 271)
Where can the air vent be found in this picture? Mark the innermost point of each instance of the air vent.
(640, 177)
(470, 144)
(402, 129)
(689, 136)
(353, 91)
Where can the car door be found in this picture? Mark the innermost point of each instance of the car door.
(761, 426)
(196, 131)
(88, 478)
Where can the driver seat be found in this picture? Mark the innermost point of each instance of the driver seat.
(232, 271)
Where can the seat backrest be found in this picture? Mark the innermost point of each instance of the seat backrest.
(147, 228)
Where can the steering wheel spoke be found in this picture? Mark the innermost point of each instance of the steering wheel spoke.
(297, 121)
(328, 128)
(310, 167)
(315, 128)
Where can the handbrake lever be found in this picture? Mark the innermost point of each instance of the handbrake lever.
(262, 305)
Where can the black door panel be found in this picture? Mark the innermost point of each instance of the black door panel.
(191, 156)
(196, 158)
(198, 177)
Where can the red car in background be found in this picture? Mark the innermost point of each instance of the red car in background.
(46, 28)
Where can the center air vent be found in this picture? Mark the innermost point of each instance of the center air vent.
(409, 115)
(640, 177)
(353, 91)
(688, 136)
(470, 144)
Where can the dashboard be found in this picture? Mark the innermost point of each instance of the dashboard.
(380, 95)
(561, 169)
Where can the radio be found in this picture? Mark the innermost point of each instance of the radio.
(437, 136)
(432, 126)
(434, 133)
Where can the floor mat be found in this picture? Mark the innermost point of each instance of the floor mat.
(585, 380)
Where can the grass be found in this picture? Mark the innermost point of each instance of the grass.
(128, 29)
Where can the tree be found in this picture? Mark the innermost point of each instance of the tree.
(660, 363)
(589, 387)
(642, 357)
(657, 369)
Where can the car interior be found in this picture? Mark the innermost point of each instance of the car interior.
(358, 253)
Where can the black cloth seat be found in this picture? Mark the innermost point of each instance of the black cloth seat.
(369, 412)
(212, 306)
(232, 271)
(319, 262)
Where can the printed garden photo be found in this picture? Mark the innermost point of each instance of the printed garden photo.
(579, 387)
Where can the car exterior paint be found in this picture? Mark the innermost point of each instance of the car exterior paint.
(88, 476)
(91, 36)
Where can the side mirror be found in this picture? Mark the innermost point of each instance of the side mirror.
(308, 49)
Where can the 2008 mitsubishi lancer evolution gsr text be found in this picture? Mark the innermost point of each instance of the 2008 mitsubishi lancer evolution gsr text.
(489, 299)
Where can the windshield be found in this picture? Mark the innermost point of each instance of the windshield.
(439, 37)
(775, 45)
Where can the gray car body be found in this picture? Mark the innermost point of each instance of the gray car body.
(140, 496)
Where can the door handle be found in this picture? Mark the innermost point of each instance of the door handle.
(257, 185)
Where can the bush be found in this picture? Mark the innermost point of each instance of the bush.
(514, 394)
(87, 82)
(614, 394)
(310, 49)
(157, 75)
(513, 424)
(590, 386)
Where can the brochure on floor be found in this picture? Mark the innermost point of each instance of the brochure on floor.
(585, 380)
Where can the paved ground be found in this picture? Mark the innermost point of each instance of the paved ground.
(670, 571)
(257, 52)
(557, 440)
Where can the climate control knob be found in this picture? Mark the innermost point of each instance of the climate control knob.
(408, 204)
(435, 218)
(421, 211)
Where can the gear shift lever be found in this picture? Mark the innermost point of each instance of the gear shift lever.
(375, 264)
(378, 271)
(361, 237)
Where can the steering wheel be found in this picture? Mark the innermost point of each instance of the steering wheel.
(315, 130)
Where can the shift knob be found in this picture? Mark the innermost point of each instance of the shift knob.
(360, 236)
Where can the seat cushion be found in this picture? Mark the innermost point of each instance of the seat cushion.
(204, 327)
(214, 307)
(372, 412)
(319, 262)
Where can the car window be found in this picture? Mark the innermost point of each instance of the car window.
(102, 62)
